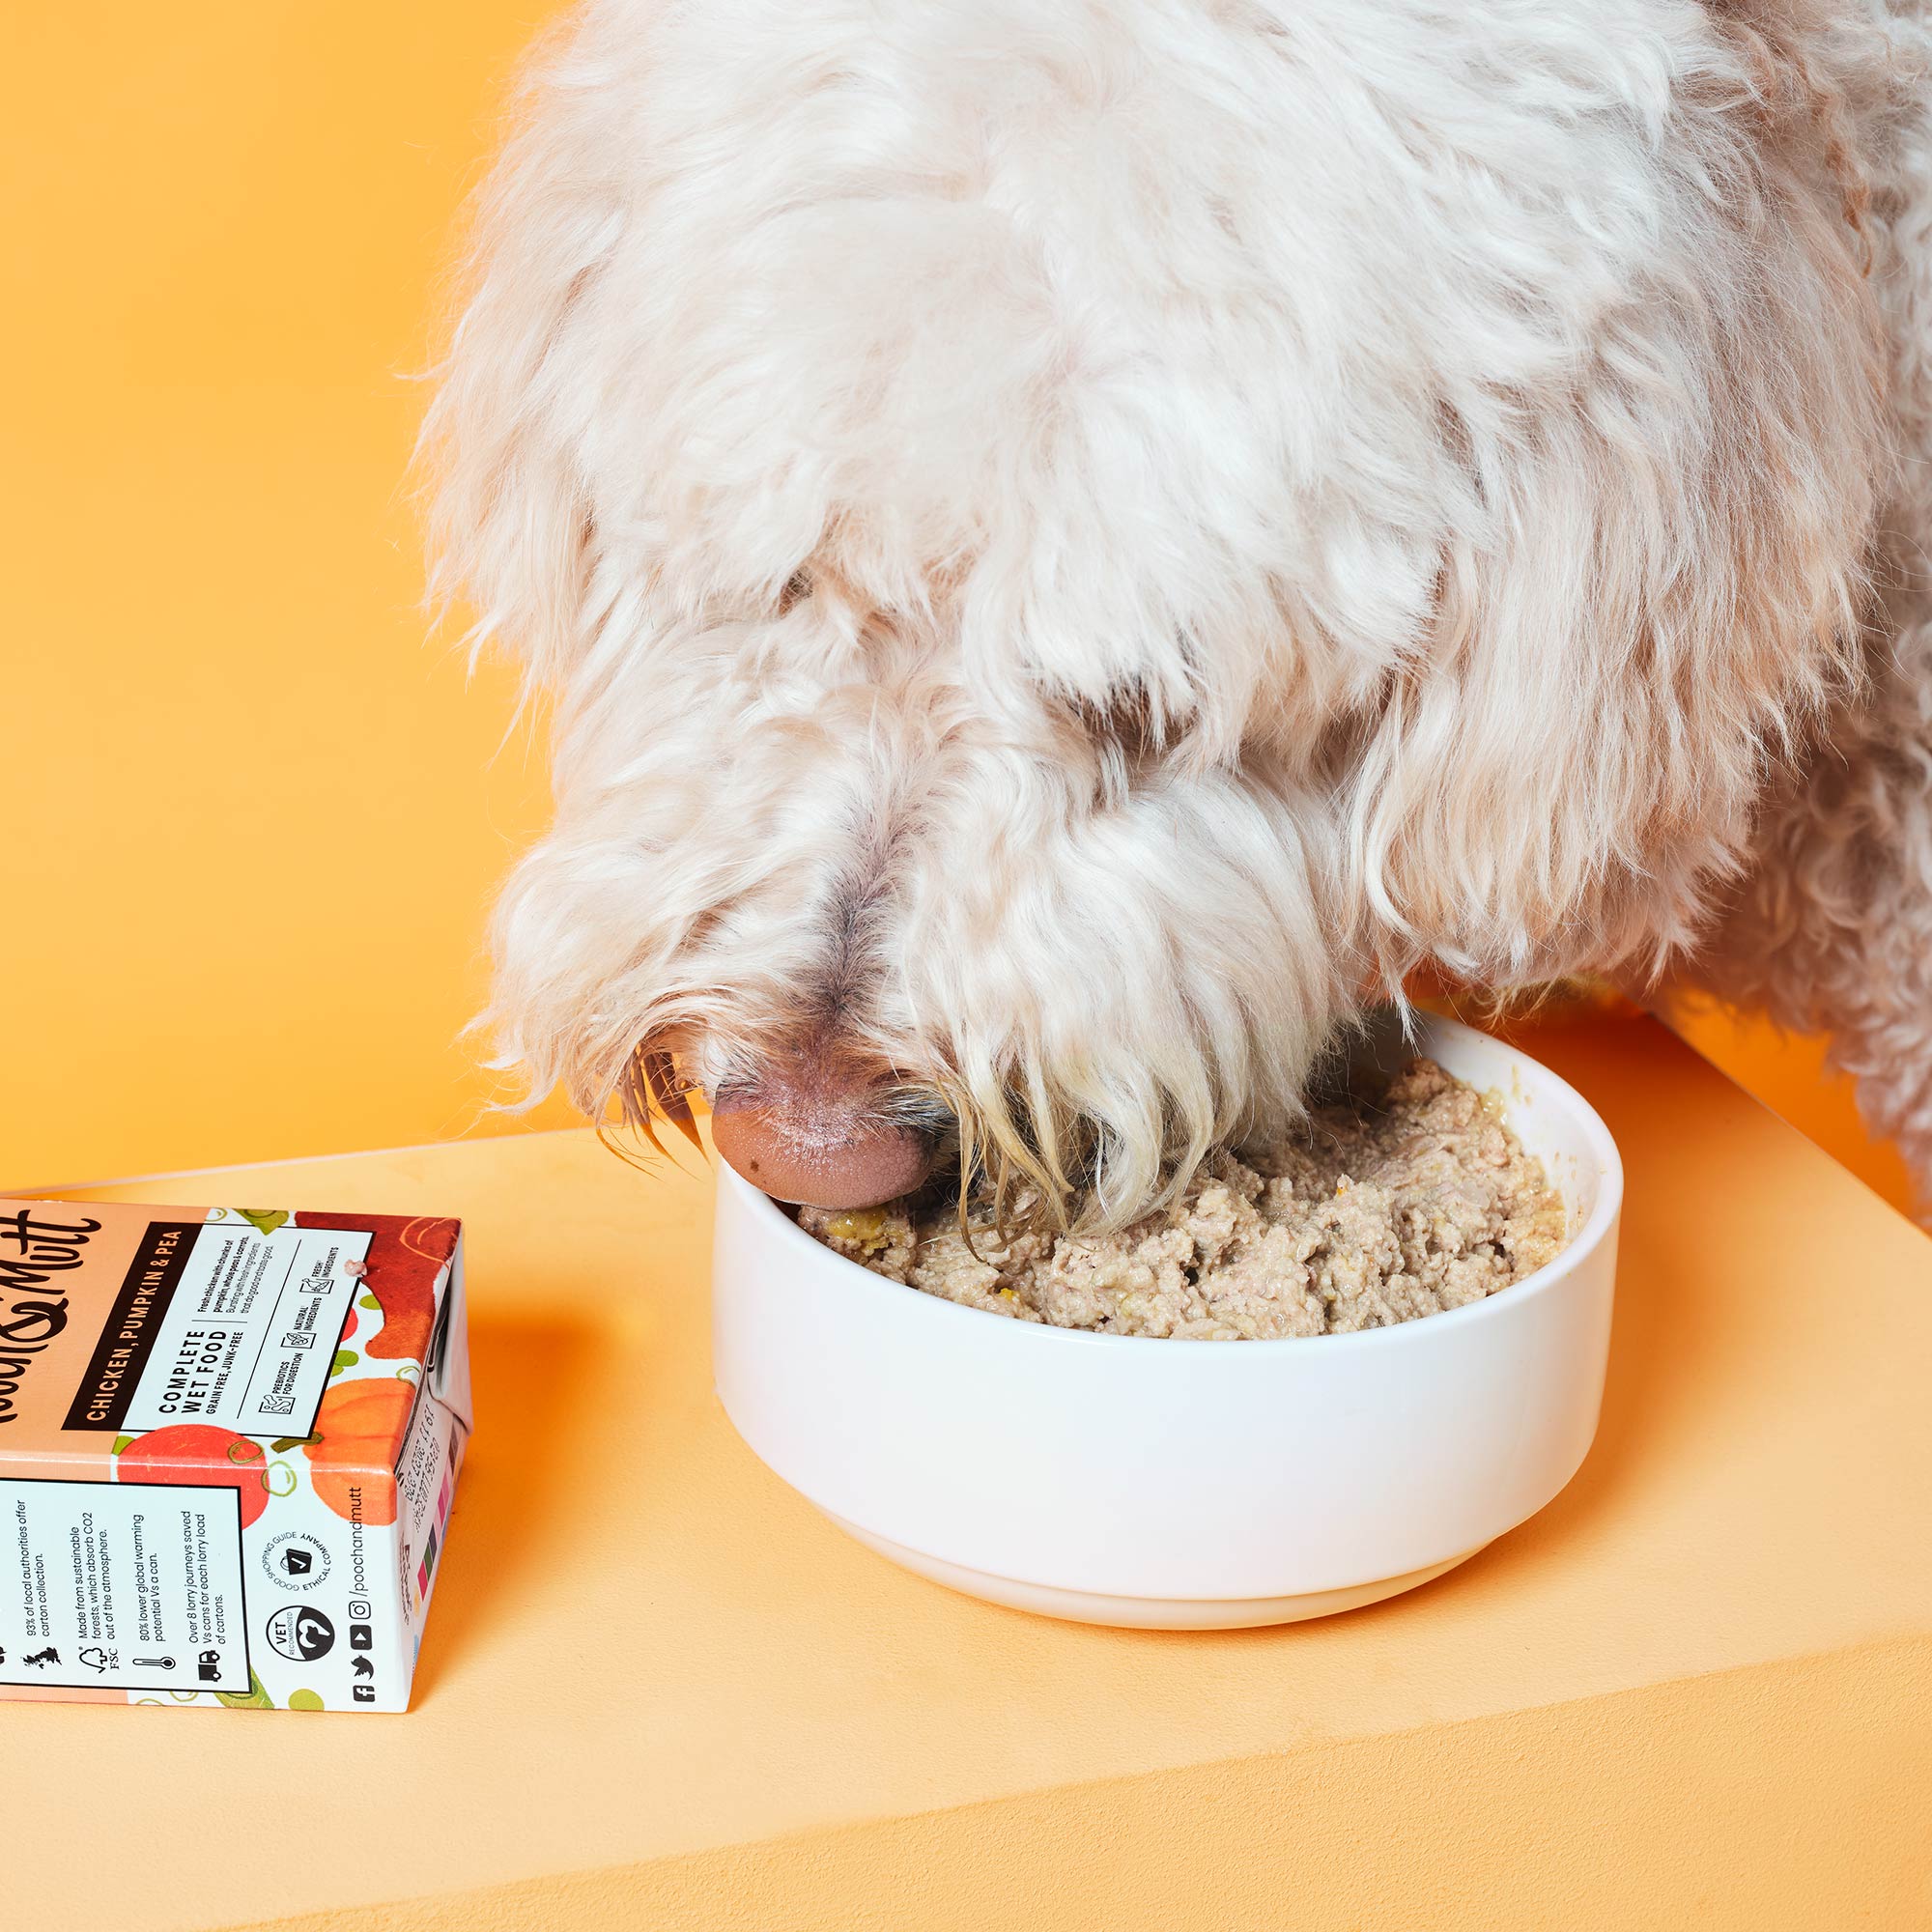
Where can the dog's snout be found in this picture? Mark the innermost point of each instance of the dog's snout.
(820, 1145)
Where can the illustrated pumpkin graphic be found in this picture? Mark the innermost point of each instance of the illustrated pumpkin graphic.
(197, 1452)
(352, 1447)
(400, 1271)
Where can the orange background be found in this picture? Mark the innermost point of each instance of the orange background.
(251, 820)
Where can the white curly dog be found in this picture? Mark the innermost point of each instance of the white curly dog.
(1077, 542)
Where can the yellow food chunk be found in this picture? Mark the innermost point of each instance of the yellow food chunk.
(864, 1225)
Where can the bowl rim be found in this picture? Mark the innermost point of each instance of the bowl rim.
(913, 1305)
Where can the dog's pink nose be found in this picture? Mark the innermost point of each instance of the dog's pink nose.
(831, 1152)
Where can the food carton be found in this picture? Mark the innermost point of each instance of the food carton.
(229, 1442)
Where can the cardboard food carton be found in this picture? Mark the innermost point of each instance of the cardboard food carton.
(229, 1443)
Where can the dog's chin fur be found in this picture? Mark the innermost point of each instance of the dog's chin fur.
(1074, 538)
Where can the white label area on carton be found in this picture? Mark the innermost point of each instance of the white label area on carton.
(250, 1330)
(133, 1586)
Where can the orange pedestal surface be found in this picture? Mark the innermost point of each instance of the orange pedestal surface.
(659, 1691)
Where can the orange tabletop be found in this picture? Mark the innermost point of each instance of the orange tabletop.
(659, 1691)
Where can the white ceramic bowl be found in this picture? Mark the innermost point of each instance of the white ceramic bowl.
(1182, 1484)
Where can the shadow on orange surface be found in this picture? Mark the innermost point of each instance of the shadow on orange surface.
(531, 1378)
(1788, 1074)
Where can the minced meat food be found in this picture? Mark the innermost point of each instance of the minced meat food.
(1372, 1212)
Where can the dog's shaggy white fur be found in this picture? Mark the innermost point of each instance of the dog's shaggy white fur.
(1076, 540)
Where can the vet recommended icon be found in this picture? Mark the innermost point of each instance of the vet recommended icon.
(302, 1633)
(296, 1560)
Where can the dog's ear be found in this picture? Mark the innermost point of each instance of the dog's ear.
(1569, 760)
(1670, 574)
